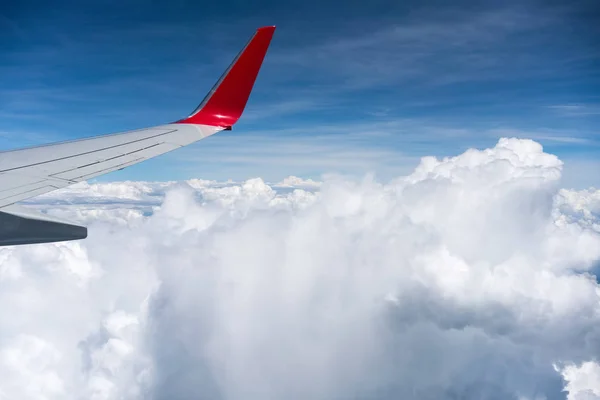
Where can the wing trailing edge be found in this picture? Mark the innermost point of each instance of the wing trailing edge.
(224, 104)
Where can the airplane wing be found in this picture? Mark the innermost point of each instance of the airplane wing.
(32, 171)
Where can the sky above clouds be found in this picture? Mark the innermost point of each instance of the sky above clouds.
(355, 89)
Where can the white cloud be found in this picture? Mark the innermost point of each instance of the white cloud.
(294, 181)
(470, 278)
(583, 381)
(28, 366)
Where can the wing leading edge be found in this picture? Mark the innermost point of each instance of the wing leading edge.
(29, 172)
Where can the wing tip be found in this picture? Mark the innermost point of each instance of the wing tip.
(224, 104)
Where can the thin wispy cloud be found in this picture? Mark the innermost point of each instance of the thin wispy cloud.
(437, 48)
(550, 135)
(577, 110)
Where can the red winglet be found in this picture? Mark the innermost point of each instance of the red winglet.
(225, 102)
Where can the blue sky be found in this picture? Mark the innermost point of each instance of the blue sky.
(367, 87)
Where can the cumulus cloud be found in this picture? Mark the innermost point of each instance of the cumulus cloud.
(473, 277)
(583, 381)
(295, 182)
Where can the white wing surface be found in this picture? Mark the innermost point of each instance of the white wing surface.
(30, 172)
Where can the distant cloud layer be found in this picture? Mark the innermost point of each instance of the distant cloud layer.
(472, 278)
